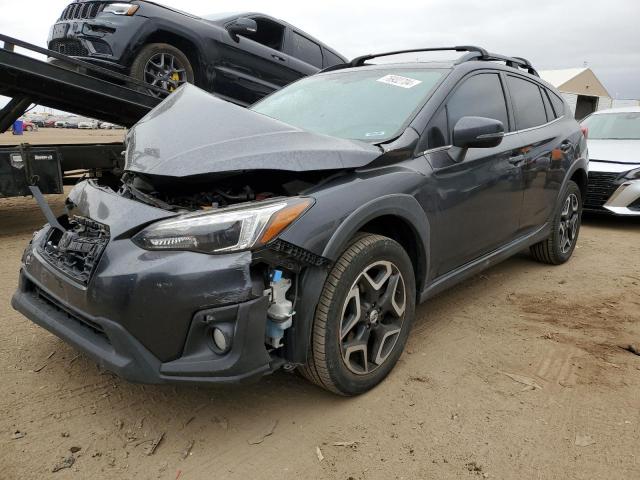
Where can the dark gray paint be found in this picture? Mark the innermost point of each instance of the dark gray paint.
(465, 210)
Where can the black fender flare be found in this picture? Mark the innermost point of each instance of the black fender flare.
(406, 207)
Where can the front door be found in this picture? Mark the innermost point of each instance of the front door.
(253, 67)
(478, 197)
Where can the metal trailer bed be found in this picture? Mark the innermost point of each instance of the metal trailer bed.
(74, 86)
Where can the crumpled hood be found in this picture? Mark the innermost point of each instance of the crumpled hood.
(622, 151)
(195, 133)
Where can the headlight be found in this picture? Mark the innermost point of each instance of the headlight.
(633, 174)
(226, 229)
(121, 9)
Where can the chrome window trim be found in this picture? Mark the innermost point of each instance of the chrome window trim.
(535, 128)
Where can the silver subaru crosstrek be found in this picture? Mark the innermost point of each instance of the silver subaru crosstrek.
(614, 167)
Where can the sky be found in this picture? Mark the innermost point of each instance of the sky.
(605, 36)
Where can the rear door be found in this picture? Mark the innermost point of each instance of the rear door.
(479, 198)
(544, 147)
(255, 65)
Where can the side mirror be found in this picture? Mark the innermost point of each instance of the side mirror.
(477, 132)
(242, 25)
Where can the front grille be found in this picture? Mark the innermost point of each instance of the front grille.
(77, 251)
(68, 46)
(45, 297)
(601, 187)
(83, 11)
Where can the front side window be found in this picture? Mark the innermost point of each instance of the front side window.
(372, 105)
(527, 103)
(306, 50)
(269, 33)
(478, 96)
(613, 126)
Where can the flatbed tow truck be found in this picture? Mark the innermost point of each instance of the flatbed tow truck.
(74, 86)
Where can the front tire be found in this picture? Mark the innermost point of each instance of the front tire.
(363, 317)
(558, 247)
(163, 66)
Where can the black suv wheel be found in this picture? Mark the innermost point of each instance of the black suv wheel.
(162, 66)
(559, 246)
(363, 317)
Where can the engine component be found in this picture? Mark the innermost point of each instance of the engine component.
(280, 313)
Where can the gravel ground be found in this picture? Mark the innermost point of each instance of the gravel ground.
(516, 373)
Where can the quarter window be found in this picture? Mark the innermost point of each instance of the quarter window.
(331, 59)
(306, 50)
(547, 105)
(557, 102)
(527, 103)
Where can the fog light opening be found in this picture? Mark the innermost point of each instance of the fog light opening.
(220, 340)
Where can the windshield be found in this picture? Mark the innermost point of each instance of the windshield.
(614, 126)
(372, 105)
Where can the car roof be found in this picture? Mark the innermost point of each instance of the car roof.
(618, 110)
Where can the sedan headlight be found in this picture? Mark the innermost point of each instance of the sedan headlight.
(224, 230)
(121, 9)
(633, 174)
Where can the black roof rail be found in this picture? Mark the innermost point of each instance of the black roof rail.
(474, 53)
(513, 62)
(359, 61)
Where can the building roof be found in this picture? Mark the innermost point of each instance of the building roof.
(560, 77)
(575, 80)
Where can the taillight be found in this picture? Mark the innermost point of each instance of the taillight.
(585, 132)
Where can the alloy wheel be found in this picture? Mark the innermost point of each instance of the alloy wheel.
(372, 317)
(165, 71)
(569, 221)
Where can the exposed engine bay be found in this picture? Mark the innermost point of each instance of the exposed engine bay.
(220, 190)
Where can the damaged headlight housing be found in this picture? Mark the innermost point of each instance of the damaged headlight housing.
(231, 229)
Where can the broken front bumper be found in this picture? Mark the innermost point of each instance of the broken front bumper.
(148, 316)
(116, 350)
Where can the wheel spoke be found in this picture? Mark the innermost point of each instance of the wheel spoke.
(353, 300)
(357, 350)
(388, 301)
(384, 340)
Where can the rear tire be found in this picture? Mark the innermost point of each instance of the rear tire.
(558, 247)
(163, 65)
(363, 317)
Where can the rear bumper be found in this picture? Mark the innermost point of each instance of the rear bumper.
(115, 349)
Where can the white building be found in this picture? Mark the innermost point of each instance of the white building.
(581, 88)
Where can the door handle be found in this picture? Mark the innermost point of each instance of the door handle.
(278, 57)
(566, 146)
(516, 159)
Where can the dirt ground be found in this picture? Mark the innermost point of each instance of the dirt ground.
(516, 373)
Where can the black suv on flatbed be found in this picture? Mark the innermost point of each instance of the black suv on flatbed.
(303, 231)
(241, 57)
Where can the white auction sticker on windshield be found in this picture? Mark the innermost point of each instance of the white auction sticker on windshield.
(399, 81)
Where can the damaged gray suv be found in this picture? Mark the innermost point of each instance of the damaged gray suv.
(302, 232)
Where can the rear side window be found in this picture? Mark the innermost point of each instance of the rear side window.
(306, 50)
(331, 59)
(527, 103)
